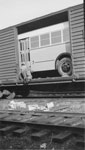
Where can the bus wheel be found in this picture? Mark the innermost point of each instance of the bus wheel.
(65, 66)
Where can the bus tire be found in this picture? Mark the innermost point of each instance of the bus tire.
(64, 66)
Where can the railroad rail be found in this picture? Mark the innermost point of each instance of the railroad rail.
(64, 119)
(58, 126)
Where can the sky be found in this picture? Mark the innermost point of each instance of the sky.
(13, 12)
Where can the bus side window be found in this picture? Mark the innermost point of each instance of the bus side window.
(55, 37)
(22, 58)
(27, 44)
(66, 35)
(45, 39)
(34, 42)
(26, 49)
(22, 48)
(21, 45)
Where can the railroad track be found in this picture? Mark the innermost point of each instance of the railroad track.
(60, 117)
(37, 134)
(60, 127)
(76, 120)
(57, 125)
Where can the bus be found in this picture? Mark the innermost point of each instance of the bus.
(47, 49)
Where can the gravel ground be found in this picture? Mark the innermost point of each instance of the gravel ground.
(54, 105)
(11, 142)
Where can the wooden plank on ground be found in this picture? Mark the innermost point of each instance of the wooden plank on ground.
(80, 142)
(61, 137)
(14, 117)
(3, 115)
(7, 129)
(21, 131)
(70, 121)
(40, 134)
(55, 119)
(25, 118)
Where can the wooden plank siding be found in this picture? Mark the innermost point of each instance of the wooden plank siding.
(8, 58)
(76, 18)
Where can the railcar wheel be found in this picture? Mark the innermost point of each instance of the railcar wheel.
(24, 92)
(64, 66)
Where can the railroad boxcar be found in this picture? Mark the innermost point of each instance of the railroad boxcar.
(50, 45)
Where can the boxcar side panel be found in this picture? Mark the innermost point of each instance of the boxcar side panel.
(8, 55)
(76, 16)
